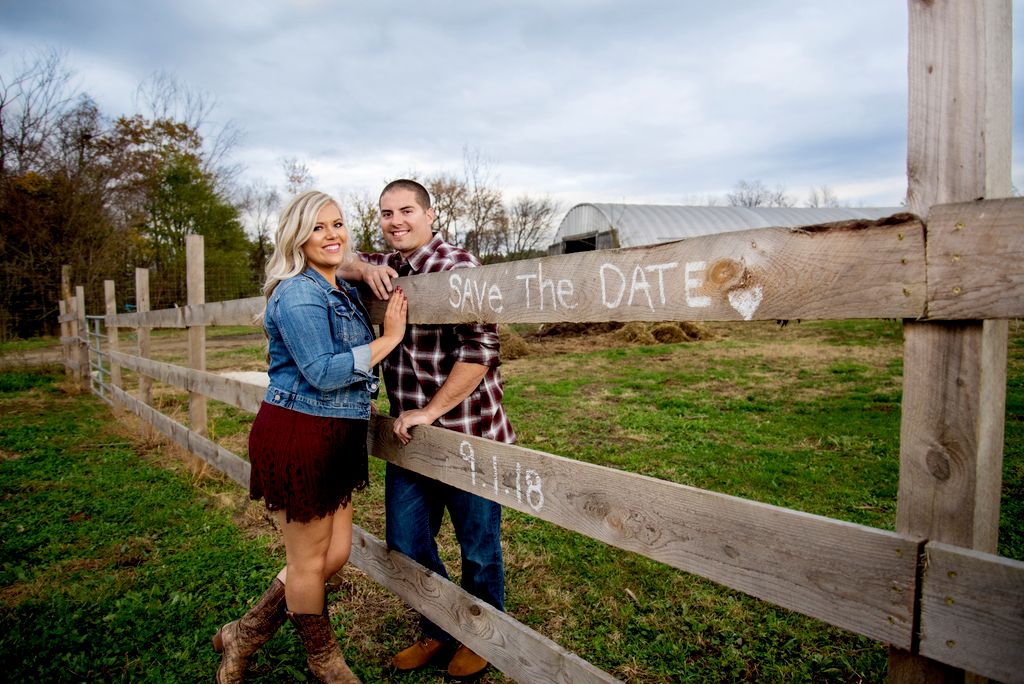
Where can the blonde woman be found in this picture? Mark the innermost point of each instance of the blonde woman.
(307, 445)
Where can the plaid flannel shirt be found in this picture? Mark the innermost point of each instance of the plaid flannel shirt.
(419, 366)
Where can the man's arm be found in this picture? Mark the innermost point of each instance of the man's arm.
(377, 276)
(464, 378)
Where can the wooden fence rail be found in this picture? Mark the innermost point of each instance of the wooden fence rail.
(853, 269)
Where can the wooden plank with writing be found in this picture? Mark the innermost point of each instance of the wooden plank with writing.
(855, 577)
(853, 269)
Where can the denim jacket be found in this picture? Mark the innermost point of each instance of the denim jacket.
(319, 348)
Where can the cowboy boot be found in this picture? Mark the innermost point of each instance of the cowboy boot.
(323, 655)
(238, 640)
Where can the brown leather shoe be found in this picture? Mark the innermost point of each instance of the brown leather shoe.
(466, 665)
(417, 655)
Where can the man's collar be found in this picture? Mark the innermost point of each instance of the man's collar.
(418, 259)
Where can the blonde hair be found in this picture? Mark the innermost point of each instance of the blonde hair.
(293, 230)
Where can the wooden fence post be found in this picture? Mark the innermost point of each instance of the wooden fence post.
(196, 284)
(62, 309)
(954, 387)
(65, 326)
(113, 343)
(82, 348)
(142, 306)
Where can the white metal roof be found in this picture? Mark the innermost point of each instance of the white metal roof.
(649, 224)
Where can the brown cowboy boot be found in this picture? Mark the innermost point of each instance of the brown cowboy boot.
(323, 655)
(423, 652)
(466, 665)
(238, 640)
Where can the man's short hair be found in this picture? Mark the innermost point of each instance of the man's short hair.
(422, 196)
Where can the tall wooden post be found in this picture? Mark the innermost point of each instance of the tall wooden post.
(82, 346)
(954, 373)
(62, 308)
(65, 325)
(196, 283)
(142, 306)
(113, 343)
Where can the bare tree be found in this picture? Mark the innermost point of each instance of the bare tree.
(362, 216)
(449, 199)
(55, 200)
(297, 176)
(259, 202)
(485, 212)
(32, 102)
(163, 97)
(756, 194)
(530, 223)
(822, 197)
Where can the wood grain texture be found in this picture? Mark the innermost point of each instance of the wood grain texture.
(976, 260)
(938, 437)
(113, 339)
(856, 577)
(81, 330)
(958, 143)
(142, 333)
(243, 395)
(959, 114)
(232, 312)
(853, 269)
(195, 281)
(972, 611)
(512, 647)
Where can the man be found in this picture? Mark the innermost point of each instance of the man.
(444, 375)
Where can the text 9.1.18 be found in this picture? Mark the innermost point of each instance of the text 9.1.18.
(528, 482)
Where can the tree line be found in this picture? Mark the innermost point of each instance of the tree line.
(108, 194)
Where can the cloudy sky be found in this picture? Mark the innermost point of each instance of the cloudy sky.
(658, 101)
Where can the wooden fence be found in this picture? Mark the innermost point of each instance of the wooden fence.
(933, 590)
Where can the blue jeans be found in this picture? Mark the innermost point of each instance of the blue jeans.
(414, 507)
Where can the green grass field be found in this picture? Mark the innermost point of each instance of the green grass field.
(119, 557)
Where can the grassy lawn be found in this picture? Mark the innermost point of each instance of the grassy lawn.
(119, 557)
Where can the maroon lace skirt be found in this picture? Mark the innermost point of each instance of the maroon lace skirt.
(307, 466)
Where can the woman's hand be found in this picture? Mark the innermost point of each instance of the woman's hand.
(394, 327)
(395, 315)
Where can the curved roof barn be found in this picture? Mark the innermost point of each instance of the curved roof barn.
(607, 226)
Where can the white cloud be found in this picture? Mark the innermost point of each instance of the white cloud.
(654, 100)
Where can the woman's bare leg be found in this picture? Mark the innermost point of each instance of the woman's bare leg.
(306, 545)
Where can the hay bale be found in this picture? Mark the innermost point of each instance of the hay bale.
(696, 331)
(513, 346)
(576, 329)
(635, 333)
(669, 333)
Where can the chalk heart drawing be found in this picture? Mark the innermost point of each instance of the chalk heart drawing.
(746, 301)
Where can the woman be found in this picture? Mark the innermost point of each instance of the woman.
(307, 445)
